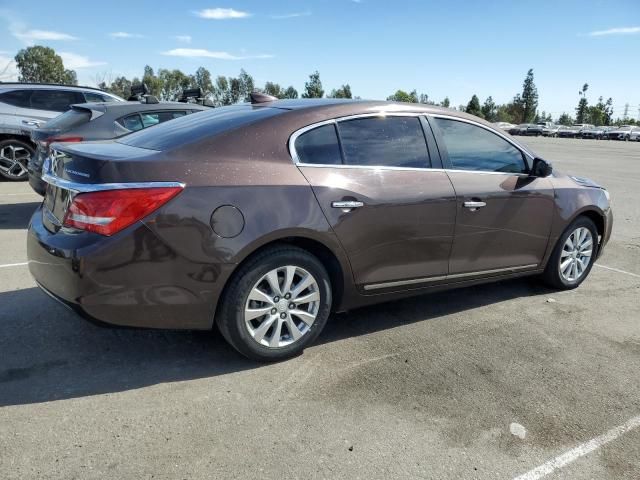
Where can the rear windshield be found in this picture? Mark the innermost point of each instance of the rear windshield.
(193, 128)
(70, 119)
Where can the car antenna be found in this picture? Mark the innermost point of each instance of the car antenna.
(258, 97)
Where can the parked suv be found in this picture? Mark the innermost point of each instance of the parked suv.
(24, 106)
(262, 219)
(99, 121)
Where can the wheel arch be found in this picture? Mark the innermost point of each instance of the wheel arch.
(332, 258)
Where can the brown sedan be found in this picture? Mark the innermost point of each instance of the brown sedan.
(264, 218)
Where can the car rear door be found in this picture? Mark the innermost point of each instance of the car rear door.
(504, 215)
(46, 104)
(393, 213)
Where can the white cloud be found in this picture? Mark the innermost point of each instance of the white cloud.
(203, 53)
(125, 35)
(221, 13)
(74, 61)
(30, 36)
(290, 15)
(616, 31)
(8, 70)
(183, 38)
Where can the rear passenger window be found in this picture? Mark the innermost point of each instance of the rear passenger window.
(131, 122)
(319, 146)
(17, 98)
(55, 100)
(96, 97)
(384, 141)
(149, 119)
(475, 148)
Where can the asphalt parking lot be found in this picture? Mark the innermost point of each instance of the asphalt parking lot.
(495, 381)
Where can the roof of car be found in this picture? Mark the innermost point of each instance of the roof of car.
(346, 107)
(122, 108)
(49, 86)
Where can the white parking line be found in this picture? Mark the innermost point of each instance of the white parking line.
(18, 194)
(580, 451)
(7, 265)
(617, 270)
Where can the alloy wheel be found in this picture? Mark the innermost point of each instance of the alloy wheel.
(282, 306)
(13, 161)
(576, 254)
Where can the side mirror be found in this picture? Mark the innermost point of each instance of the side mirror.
(541, 168)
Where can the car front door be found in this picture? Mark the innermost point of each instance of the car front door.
(504, 215)
(392, 212)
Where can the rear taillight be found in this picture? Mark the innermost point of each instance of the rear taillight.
(109, 211)
(63, 139)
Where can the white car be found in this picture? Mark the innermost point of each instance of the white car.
(506, 126)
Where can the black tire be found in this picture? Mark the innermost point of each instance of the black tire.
(4, 163)
(551, 275)
(230, 315)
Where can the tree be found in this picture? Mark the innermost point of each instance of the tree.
(121, 86)
(424, 98)
(273, 89)
(473, 107)
(246, 86)
(202, 79)
(173, 83)
(343, 92)
(529, 98)
(581, 109)
(153, 82)
(489, 110)
(290, 92)
(38, 64)
(402, 96)
(446, 102)
(565, 119)
(313, 88)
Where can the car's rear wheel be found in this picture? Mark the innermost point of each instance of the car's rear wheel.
(14, 156)
(276, 304)
(573, 255)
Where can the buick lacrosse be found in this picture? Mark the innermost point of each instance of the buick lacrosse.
(264, 218)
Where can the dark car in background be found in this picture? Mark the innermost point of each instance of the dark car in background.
(25, 106)
(99, 121)
(594, 132)
(263, 218)
(527, 129)
(571, 131)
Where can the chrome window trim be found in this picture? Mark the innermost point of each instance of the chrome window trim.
(296, 160)
(410, 169)
(414, 281)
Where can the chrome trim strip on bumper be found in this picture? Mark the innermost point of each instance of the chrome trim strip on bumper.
(414, 281)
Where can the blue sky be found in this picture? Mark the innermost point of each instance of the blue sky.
(446, 48)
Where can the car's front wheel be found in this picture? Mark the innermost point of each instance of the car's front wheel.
(14, 156)
(276, 304)
(573, 256)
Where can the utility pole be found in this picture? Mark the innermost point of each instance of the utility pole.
(625, 115)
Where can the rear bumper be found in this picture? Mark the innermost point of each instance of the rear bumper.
(131, 279)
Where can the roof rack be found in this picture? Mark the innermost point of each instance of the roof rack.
(50, 85)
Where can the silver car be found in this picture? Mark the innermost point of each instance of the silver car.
(26, 106)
